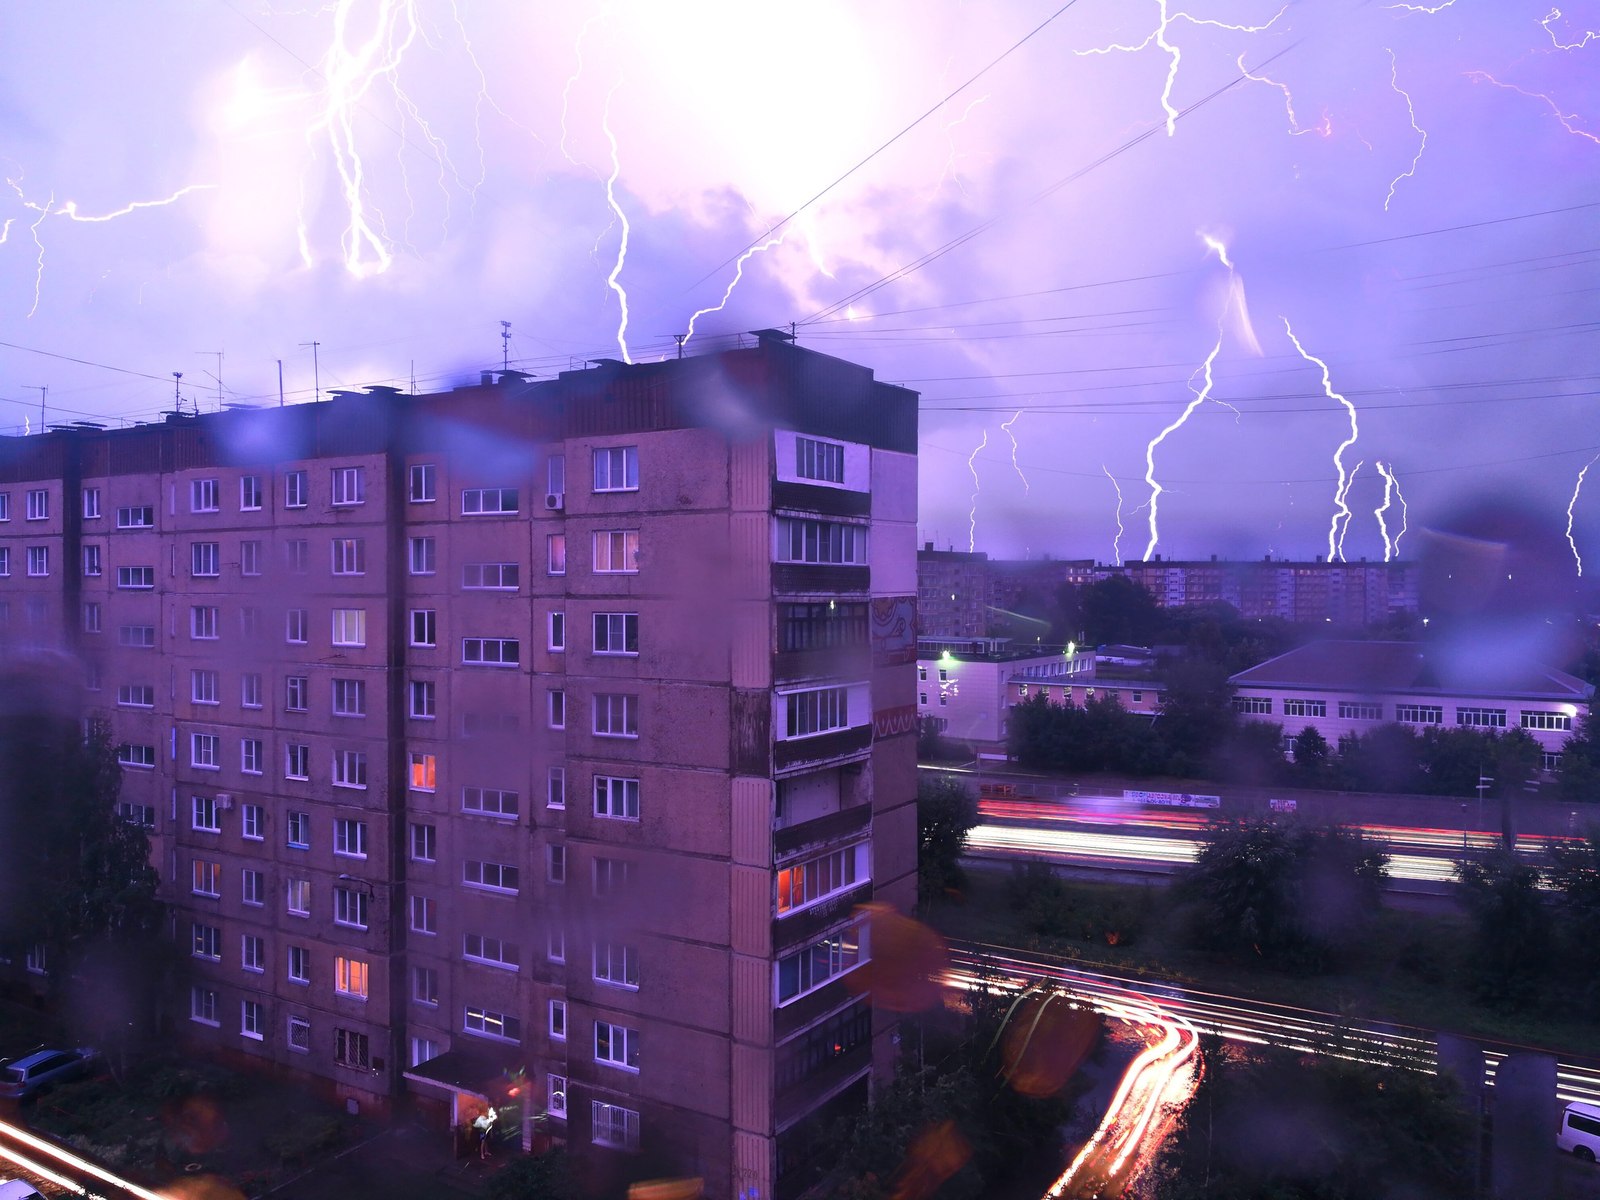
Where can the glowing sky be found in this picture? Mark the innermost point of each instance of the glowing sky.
(1413, 192)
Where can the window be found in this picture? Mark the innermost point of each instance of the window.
(252, 952)
(250, 621)
(349, 698)
(489, 802)
(485, 501)
(616, 715)
(555, 469)
(804, 540)
(424, 627)
(5, 506)
(491, 876)
(205, 817)
(297, 556)
(424, 701)
(136, 756)
(1305, 708)
(1350, 710)
(349, 556)
(5, 560)
(802, 1057)
(1419, 714)
(253, 887)
(489, 577)
(294, 489)
(616, 1044)
(616, 469)
(555, 793)
(249, 493)
(819, 460)
(250, 756)
(1550, 760)
(206, 942)
(141, 636)
(252, 821)
(555, 1090)
(558, 1020)
(297, 830)
(299, 964)
(424, 560)
(424, 842)
(816, 711)
(136, 578)
(136, 517)
(299, 1035)
(1253, 705)
(296, 693)
(91, 503)
(1482, 718)
(203, 622)
(207, 878)
(136, 695)
(38, 504)
(1546, 720)
(424, 915)
(555, 865)
(252, 1020)
(204, 495)
(424, 771)
(299, 897)
(425, 985)
(205, 751)
(350, 977)
(422, 484)
(612, 876)
(349, 837)
(555, 554)
(352, 1049)
(91, 561)
(555, 944)
(805, 883)
(616, 551)
(616, 798)
(616, 633)
(822, 961)
(203, 686)
(38, 561)
(824, 626)
(482, 948)
(35, 959)
(250, 557)
(558, 708)
(614, 1126)
(350, 768)
(491, 652)
(616, 964)
(297, 761)
(297, 627)
(250, 689)
(203, 1005)
(205, 560)
(349, 485)
(486, 1022)
(350, 907)
(556, 628)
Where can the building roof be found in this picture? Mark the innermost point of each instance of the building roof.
(1410, 667)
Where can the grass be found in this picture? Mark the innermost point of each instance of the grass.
(1410, 970)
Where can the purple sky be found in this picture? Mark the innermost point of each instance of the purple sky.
(394, 195)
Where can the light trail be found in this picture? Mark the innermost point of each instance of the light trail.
(1006, 425)
(42, 1171)
(1116, 542)
(1566, 119)
(1341, 491)
(67, 1158)
(1394, 82)
(1571, 505)
(972, 516)
(622, 218)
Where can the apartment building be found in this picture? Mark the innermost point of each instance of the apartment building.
(532, 743)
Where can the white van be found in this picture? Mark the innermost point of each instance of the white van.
(1580, 1130)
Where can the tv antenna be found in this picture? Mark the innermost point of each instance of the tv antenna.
(505, 345)
(316, 370)
(43, 391)
(177, 396)
(217, 377)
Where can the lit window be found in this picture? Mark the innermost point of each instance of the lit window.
(555, 554)
(350, 977)
(207, 878)
(424, 772)
(616, 551)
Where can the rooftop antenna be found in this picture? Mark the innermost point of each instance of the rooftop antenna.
(280, 383)
(316, 371)
(680, 338)
(42, 390)
(218, 378)
(177, 397)
(505, 345)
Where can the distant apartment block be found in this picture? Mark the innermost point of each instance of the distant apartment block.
(549, 731)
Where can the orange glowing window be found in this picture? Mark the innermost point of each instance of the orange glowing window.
(423, 770)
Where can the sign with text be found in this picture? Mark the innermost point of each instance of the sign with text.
(1173, 799)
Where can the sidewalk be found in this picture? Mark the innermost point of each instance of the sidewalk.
(405, 1161)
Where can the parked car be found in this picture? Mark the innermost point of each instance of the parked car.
(1580, 1130)
(27, 1074)
(18, 1189)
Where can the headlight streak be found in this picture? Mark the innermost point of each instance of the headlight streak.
(68, 1159)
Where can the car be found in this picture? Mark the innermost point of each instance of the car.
(18, 1189)
(1580, 1130)
(27, 1074)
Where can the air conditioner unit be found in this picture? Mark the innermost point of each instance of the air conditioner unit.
(555, 501)
(224, 800)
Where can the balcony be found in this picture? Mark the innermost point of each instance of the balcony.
(818, 579)
(828, 501)
(837, 662)
(844, 825)
(826, 749)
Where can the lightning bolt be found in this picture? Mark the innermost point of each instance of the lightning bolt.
(1423, 8)
(484, 96)
(1588, 34)
(950, 162)
(1174, 54)
(69, 209)
(1116, 542)
(1323, 128)
(1391, 490)
(1343, 488)
(972, 516)
(1566, 119)
(566, 92)
(738, 274)
(33, 230)
(1394, 82)
(1006, 425)
(1573, 503)
(1345, 528)
(622, 218)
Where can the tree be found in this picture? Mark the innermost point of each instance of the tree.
(1511, 925)
(1116, 611)
(1580, 762)
(1312, 758)
(1575, 876)
(547, 1176)
(1196, 715)
(946, 813)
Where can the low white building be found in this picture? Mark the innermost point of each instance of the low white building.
(964, 684)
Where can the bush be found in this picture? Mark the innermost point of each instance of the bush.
(545, 1177)
(1051, 907)
(305, 1137)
